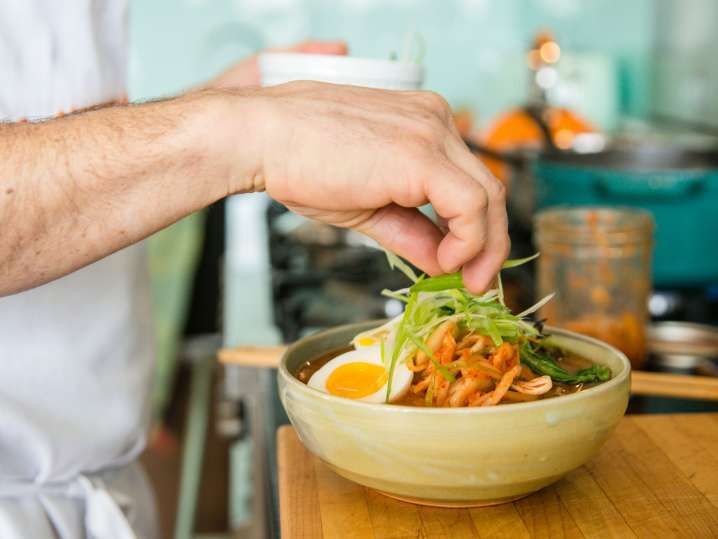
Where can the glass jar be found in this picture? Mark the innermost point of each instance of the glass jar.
(598, 262)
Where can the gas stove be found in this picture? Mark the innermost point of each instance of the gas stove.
(324, 277)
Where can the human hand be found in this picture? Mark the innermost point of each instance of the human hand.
(367, 159)
(246, 72)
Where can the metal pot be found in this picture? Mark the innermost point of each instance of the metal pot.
(677, 185)
(684, 346)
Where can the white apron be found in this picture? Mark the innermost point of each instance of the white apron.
(75, 354)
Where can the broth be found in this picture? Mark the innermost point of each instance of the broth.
(569, 361)
(308, 368)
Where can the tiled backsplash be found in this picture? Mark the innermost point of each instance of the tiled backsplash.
(474, 48)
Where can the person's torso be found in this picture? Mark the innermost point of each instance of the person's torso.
(76, 353)
(57, 57)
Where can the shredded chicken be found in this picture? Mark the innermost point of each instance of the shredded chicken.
(461, 390)
(535, 386)
(483, 374)
(433, 343)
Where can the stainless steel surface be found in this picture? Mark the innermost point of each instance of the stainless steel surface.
(684, 346)
(627, 152)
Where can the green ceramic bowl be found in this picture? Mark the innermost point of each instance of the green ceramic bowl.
(454, 456)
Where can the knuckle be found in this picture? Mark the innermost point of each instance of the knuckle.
(300, 85)
(495, 188)
(499, 188)
(416, 148)
(428, 132)
(436, 102)
(479, 201)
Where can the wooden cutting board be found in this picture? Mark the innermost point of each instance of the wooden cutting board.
(656, 477)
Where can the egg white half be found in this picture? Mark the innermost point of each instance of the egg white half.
(365, 354)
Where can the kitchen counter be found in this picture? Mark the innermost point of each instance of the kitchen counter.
(656, 476)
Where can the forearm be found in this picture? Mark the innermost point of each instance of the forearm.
(76, 189)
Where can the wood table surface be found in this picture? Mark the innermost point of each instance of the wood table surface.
(657, 476)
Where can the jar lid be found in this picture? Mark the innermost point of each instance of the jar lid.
(594, 225)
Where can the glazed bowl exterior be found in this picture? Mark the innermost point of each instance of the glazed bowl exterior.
(454, 456)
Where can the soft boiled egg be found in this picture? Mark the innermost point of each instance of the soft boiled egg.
(360, 375)
(366, 341)
(374, 337)
(374, 342)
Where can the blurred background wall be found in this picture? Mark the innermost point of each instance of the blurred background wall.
(474, 48)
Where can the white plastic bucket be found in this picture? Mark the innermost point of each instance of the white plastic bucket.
(281, 67)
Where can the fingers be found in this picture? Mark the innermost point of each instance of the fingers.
(406, 232)
(480, 271)
(476, 225)
(318, 47)
(393, 152)
(469, 202)
(462, 203)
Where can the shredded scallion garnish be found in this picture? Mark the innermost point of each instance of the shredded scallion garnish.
(431, 301)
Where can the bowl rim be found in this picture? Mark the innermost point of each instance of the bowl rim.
(401, 408)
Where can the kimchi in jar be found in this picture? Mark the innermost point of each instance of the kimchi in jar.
(598, 262)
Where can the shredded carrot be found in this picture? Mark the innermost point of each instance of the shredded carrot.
(448, 347)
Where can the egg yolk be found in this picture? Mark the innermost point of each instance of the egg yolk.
(366, 341)
(356, 380)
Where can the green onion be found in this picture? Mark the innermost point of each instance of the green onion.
(489, 328)
(394, 295)
(431, 301)
(454, 280)
(536, 306)
(439, 283)
(398, 263)
(399, 342)
(508, 264)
